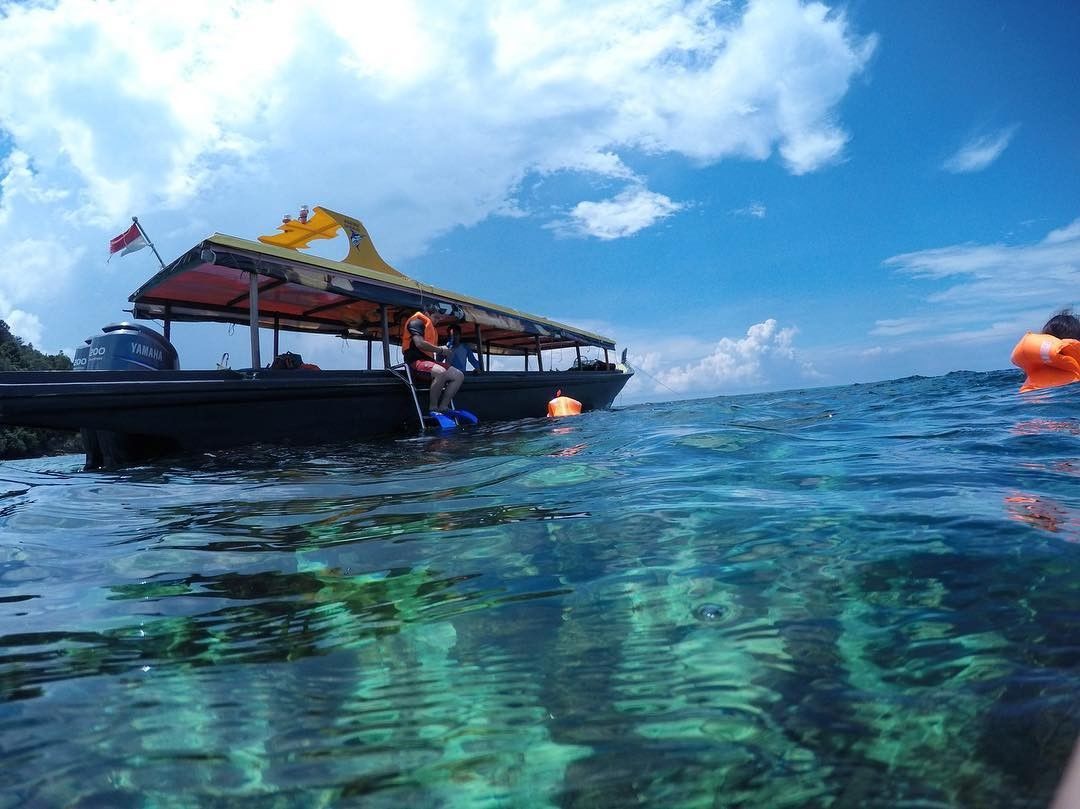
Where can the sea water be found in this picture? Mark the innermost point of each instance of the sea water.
(857, 596)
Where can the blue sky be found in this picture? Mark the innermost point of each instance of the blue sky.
(748, 196)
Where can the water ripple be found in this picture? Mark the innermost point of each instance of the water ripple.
(857, 596)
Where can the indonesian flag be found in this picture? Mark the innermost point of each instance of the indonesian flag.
(127, 242)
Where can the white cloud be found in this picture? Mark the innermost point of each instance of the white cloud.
(765, 356)
(25, 325)
(811, 150)
(1041, 265)
(1013, 286)
(1065, 235)
(602, 164)
(980, 151)
(419, 116)
(896, 326)
(31, 268)
(623, 215)
(163, 114)
(754, 209)
(963, 306)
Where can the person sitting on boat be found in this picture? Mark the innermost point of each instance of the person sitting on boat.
(420, 348)
(460, 353)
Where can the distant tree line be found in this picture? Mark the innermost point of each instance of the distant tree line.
(27, 442)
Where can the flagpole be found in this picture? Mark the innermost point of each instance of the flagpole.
(135, 219)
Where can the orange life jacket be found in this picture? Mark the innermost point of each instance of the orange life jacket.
(1047, 361)
(431, 334)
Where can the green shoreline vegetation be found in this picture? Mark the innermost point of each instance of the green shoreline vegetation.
(26, 442)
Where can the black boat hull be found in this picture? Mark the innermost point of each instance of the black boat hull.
(131, 416)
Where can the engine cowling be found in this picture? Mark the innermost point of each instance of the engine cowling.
(130, 347)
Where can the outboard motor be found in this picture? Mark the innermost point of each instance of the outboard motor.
(82, 354)
(130, 347)
(124, 347)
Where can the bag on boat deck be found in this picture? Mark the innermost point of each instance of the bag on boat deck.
(290, 361)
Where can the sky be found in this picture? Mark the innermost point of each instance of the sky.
(747, 196)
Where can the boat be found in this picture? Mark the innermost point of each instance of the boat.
(132, 402)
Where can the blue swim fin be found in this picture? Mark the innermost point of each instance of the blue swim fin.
(440, 421)
(463, 417)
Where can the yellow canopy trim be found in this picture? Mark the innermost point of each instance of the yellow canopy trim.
(324, 224)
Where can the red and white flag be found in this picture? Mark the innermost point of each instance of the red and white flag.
(129, 241)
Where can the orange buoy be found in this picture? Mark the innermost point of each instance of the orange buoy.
(563, 406)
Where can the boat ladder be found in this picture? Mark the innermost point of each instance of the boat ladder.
(404, 373)
(436, 421)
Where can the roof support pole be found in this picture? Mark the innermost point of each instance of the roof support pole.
(277, 324)
(480, 349)
(168, 321)
(385, 335)
(605, 360)
(253, 319)
(578, 350)
(539, 355)
(369, 344)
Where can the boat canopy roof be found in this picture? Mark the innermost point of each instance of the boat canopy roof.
(301, 292)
